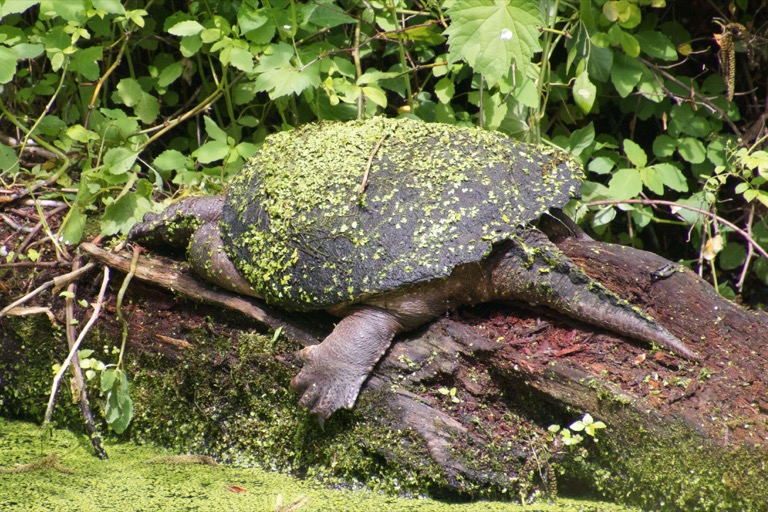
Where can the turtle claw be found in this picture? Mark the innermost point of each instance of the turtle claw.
(324, 385)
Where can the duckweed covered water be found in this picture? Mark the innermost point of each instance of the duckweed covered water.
(130, 481)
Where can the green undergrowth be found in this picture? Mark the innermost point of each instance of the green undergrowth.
(132, 479)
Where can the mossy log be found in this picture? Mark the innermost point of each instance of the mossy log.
(470, 396)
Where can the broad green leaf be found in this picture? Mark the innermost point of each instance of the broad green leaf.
(326, 14)
(190, 45)
(119, 160)
(28, 50)
(147, 109)
(70, 10)
(625, 74)
(109, 6)
(656, 44)
(629, 44)
(213, 130)
(652, 180)
(9, 162)
(130, 92)
(444, 90)
(584, 92)
(625, 184)
(697, 200)
(170, 160)
(279, 77)
(372, 76)
(186, 28)
(86, 62)
(732, 256)
(635, 153)
(212, 151)
(692, 150)
(603, 216)
(123, 213)
(664, 146)
(376, 94)
(492, 35)
(169, 74)
(7, 64)
(601, 165)
(241, 59)
(16, 6)
(581, 139)
(672, 177)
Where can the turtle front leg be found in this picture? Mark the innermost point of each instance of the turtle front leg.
(335, 369)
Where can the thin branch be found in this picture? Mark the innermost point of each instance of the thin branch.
(656, 202)
(76, 346)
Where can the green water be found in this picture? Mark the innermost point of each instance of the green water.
(129, 481)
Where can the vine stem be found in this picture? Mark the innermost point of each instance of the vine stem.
(661, 202)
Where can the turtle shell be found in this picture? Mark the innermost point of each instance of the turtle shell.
(333, 212)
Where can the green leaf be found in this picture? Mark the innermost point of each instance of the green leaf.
(7, 64)
(601, 165)
(169, 74)
(16, 6)
(85, 62)
(492, 35)
(584, 92)
(130, 92)
(625, 184)
(170, 160)
(629, 44)
(692, 150)
(122, 214)
(190, 45)
(9, 161)
(664, 146)
(656, 44)
(74, 225)
(376, 94)
(672, 177)
(212, 151)
(652, 180)
(625, 74)
(241, 59)
(279, 77)
(326, 14)
(186, 28)
(213, 130)
(581, 139)
(732, 256)
(109, 6)
(444, 90)
(635, 153)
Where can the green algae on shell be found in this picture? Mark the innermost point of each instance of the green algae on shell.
(333, 212)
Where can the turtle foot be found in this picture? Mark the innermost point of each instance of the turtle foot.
(335, 370)
(324, 384)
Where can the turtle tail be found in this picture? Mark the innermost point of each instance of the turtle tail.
(533, 269)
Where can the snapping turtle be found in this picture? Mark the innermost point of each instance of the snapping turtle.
(388, 224)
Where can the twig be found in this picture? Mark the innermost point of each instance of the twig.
(104, 77)
(655, 202)
(56, 283)
(364, 184)
(76, 346)
(704, 100)
(750, 251)
(79, 382)
(119, 307)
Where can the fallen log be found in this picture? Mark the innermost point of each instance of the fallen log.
(481, 386)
